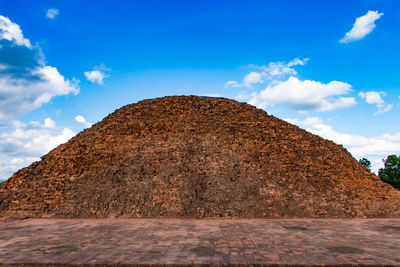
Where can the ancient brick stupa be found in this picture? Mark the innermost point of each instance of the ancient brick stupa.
(196, 157)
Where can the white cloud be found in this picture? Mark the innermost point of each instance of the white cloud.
(375, 98)
(271, 72)
(52, 13)
(298, 61)
(98, 74)
(23, 95)
(26, 82)
(363, 26)
(95, 76)
(252, 78)
(373, 148)
(305, 95)
(283, 87)
(280, 69)
(81, 119)
(232, 84)
(33, 139)
(11, 32)
(27, 142)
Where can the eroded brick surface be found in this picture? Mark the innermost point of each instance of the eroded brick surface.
(197, 157)
(217, 241)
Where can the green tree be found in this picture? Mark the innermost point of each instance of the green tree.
(366, 163)
(391, 172)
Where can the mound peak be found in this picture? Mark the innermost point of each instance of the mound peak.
(191, 156)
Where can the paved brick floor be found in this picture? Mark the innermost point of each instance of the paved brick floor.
(211, 241)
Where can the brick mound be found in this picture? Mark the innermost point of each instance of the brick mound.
(190, 156)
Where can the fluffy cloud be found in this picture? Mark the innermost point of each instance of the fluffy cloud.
(363, 26)
(305, 95)
(52, 13)
(81, 119)
(33, 139)
(12, 32)
(271, 72)
(27, 142)
(98, 74)
(276, 70)
(375, 98)
(26, 82)
(373, 148)
(283, 87)
(252, 78)
(95, 76)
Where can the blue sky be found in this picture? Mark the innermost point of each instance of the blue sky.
(330, 67)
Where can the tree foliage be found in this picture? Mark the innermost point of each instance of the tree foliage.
(391, 172)
(366, 163)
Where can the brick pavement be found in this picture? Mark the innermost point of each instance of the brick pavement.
(206, 241)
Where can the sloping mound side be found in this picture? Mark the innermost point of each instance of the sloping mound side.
(189, 156)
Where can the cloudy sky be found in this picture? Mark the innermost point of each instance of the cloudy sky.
(331, 67)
